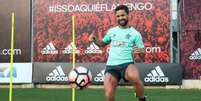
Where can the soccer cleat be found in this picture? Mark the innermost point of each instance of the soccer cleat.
(143, 99)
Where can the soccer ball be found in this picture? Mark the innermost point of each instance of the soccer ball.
(80, 77)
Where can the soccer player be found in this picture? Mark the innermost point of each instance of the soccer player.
(120, 63)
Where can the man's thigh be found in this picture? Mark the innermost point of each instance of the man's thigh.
(132, 73)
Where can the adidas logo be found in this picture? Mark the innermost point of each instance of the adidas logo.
(93, 48)
(5, 72)
(100, 76)
(57, 75)
(196, 55)
(69, 49)
(156, 76)
(49, 49)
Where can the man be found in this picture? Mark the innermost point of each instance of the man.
(120, 63)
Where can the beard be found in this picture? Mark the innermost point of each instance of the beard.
(123, 22)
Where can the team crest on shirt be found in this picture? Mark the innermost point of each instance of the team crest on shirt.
(114, 35)
(128, 36)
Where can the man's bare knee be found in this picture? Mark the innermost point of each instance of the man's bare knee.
(137, 82)
(110, 84)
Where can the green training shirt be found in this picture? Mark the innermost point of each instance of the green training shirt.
(122, 42)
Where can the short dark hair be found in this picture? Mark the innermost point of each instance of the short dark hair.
(122, 7)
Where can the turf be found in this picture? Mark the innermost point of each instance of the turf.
(123, 94)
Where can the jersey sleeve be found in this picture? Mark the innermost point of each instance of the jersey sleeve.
(107, 38)
(138, 41)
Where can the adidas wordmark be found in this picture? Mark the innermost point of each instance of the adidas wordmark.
(99, 77)
(196, 55)
(57, 75)
(93, 48)
(156, 75)
(49, 49)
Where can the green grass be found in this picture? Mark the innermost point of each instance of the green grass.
(123, 94)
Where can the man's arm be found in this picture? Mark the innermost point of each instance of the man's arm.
(94, 39)
(139, 48)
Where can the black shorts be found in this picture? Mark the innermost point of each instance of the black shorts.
(118, 71)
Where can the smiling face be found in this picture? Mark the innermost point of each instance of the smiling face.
(122, 18)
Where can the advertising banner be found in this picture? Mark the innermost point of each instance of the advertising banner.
(151, 74)
(52, 26)
(51, 72)
(22, 33)
(58, 72)
(22, 73)
(161, 74)
(190, 39)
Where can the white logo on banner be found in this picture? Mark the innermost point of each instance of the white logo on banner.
(100, 76)
(49, 49)
(8, 52)
(5, 72)
(156, 75)
(93, 48)
(100, 7)
(22, 72)
(57, 75)
(196, 55)
(153, 49)
(69, 49)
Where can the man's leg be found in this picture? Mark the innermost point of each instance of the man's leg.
(110, 84)
(132, 75)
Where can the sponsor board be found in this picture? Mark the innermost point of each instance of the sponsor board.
(58, 72)
(51, 72)
(22, 31)
(150, 74)
(21, 73)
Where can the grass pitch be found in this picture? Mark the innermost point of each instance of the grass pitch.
(122, 94)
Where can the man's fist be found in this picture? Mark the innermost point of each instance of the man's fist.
(139, 50)
(91, 38)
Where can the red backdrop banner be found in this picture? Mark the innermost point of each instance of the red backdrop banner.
(53, 28)
(191, 38)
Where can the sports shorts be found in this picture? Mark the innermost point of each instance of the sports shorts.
(118, 71)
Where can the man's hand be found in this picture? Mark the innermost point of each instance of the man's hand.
(92, 38)
(139, 50)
